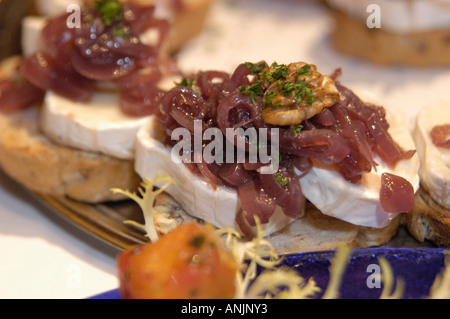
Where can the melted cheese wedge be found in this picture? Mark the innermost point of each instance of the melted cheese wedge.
(97, 126)
(435, 161)
(359, 204)
(215, 205)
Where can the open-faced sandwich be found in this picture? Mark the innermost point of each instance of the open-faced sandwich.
(72, 104)
(324, 167)
(430, 218)
(402, 32)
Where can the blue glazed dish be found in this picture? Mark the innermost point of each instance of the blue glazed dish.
(417, 267)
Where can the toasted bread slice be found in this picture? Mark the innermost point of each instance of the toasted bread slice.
(189, 22)
(33, 160)
(421, 49)
(318, 232)
(429, 220)
(312, 232)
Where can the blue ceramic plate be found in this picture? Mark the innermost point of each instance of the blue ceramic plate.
(418, 267)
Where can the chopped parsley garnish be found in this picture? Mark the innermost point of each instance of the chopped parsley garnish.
(255, 68)
(269, 100)
(300, 90)
(269, 97)
(110, 10)
(254, 90)
(120, 32)
(186, 82)
(277, 74)
(282, 180)
(281, 72)
(268, 76)
(295, 129)
(305, 70)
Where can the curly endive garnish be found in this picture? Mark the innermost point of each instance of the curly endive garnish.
(272, 282)
(258, 251)
(147, 193)
(441, 286)
(387, 276)
(283, 283)
(337, 269)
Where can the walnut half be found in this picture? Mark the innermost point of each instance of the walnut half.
(303, 93)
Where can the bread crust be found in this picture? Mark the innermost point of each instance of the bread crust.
(42, 166)
(421, 49)
(429, 220)
(314, 231)
(187, 24)
(318, 232)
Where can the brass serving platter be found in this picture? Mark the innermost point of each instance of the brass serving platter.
(107, 221)
(103, 221)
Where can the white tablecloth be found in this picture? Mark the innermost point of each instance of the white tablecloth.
(44, 256)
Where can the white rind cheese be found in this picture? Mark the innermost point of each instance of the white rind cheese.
(31, 40)
(435, 161)
(98, 125)
(215, 205)
(52, 8)
(359, 204)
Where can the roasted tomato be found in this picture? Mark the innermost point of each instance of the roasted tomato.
(189, 263)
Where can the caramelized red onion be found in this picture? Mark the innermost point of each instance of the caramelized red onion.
(440, 135)
(15, 96)
(347, 136)
(42, 71)
(76, 58)
(184, 106)
(324, 145)
(141, 100)
(255, 201)
(285, 189)
(397, 194)
(235, 174)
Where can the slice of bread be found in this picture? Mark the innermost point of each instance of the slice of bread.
(30, 158)
(421, 49)
(429, 220)
(312, 232)
(318, 232)
(188, 23)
